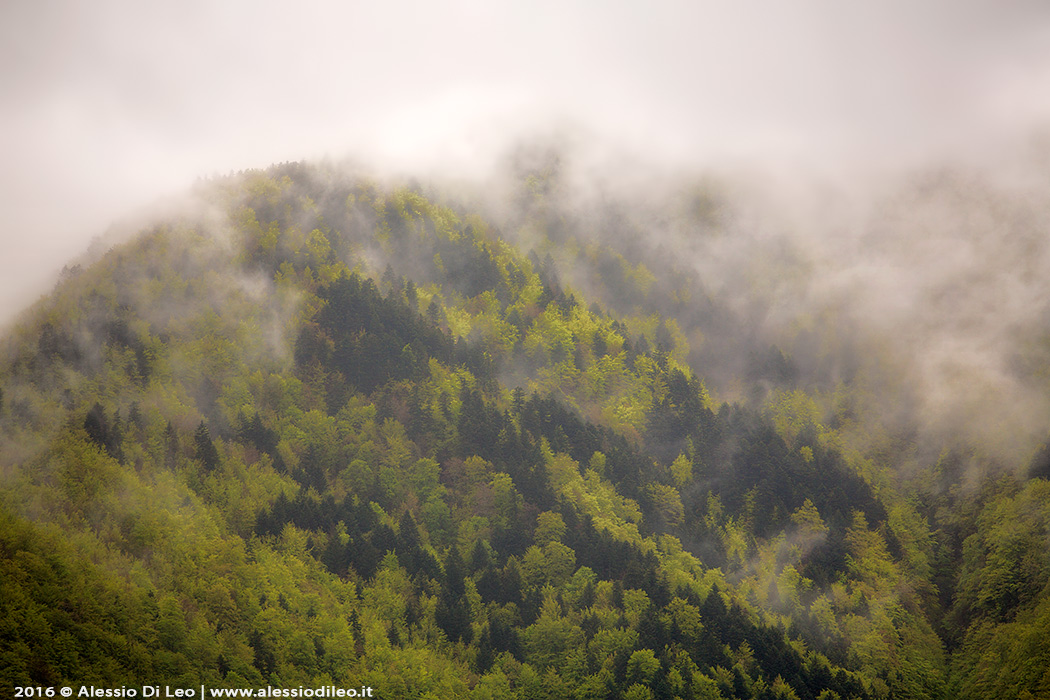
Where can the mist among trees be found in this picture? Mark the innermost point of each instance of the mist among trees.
(550, 437)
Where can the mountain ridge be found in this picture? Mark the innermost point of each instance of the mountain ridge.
(333, 429)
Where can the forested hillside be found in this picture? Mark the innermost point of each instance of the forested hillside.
(325, 429)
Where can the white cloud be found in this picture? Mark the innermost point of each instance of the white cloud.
(106, 105)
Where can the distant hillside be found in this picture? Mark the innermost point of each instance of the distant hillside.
(327, 430)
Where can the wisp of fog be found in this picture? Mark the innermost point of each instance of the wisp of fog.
(875, 176)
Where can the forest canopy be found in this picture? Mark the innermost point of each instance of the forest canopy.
(327, 429)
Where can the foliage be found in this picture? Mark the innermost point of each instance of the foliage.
(452, 473)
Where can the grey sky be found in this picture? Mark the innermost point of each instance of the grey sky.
(106, 106)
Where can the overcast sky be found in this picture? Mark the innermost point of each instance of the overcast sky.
(106, 106)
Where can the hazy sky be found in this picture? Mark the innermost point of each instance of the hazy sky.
(107, 105)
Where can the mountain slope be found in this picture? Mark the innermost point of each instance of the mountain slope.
(321, 430)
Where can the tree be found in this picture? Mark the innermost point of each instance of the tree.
(642, 667)
(550, 527)
(206, 452)
(96, 425)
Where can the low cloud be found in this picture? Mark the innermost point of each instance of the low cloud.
(809, 130)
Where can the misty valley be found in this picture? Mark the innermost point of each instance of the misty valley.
(551, 437)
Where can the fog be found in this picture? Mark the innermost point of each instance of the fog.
(106, 107)
(897, 151)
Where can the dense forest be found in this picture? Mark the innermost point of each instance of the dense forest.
(322, 428)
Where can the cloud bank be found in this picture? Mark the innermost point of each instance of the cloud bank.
(106, 107)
